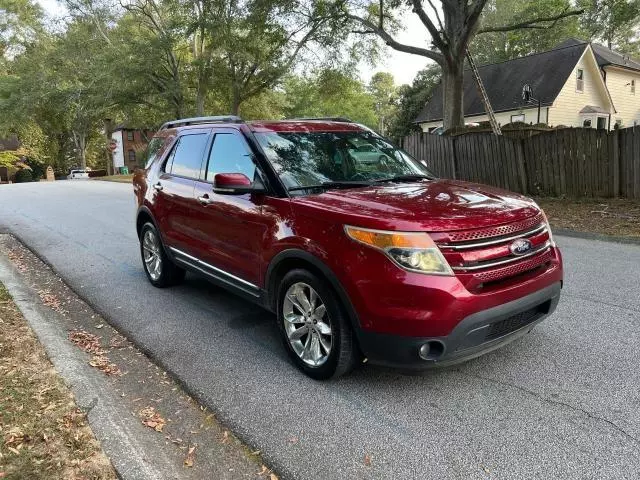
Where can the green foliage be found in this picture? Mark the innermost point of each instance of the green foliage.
(613, 22)
(8, 158)
(501, 46)
(329, 93)
(412, 99)
(23, 175)
(383, 89)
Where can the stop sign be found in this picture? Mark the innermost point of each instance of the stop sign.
(113, 145)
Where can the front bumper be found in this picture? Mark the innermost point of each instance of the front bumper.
(475, 335)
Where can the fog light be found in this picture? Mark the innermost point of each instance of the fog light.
(424, 351)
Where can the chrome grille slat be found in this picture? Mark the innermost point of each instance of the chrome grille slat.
(469, 246)
(472, 268)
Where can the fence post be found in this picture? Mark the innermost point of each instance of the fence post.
(522, 172)
(615, 163)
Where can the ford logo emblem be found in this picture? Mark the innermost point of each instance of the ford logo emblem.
(520, 246)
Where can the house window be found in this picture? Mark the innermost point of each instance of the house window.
(132, 156)
(130, 136)
(633, 87)
(580, 80)
(517, 118)
(586, 123)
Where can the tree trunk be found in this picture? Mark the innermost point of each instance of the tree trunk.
(453, 90)
(200, 97)
(235, 101)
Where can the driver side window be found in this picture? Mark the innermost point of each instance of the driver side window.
(229, 154)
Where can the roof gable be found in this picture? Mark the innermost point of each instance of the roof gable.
(605, 56)
(546, 72)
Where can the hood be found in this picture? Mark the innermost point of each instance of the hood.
(432, 206)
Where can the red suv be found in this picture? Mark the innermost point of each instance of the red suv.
(358, 248)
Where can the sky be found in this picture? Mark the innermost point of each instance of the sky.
(402, 66)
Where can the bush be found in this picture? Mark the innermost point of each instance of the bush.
(37, 169)
(23, 175)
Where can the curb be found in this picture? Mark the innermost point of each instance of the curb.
(109, 420)
(595, 236)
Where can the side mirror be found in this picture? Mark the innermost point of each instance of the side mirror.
(236, 184)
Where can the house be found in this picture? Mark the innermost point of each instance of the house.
(127, 143)
(577, 84)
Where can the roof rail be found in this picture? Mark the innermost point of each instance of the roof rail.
(326, 119)
(199, 120)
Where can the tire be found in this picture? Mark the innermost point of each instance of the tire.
(303, 349)
(165, 273)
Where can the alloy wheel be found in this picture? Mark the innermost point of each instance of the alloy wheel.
(151, 254)
(307, 324)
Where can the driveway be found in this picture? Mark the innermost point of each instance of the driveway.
(563, 402)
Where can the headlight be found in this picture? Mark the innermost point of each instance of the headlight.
(413, 251)
(546, 221)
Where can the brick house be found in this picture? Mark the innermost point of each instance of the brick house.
(129, 142)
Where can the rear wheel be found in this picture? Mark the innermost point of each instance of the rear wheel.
(160, 270)
(315, 331)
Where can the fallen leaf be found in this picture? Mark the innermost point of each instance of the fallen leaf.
(152, 419)
(293, 439)
(273, 476)
(263, 470)
(190, 458)
(367, 460)
(100, 326)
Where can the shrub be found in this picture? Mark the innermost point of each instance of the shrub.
(23, 175)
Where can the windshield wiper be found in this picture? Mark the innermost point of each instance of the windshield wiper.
(328, 185)
(412, 177)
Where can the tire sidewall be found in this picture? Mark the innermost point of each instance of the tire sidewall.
(334, 312)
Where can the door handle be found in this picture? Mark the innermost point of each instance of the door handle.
(158, 186)
(205, 200)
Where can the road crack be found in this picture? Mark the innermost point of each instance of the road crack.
(551, 401)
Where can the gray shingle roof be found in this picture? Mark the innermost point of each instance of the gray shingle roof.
(546, 72)
(604, 56)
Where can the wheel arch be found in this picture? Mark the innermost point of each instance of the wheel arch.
(291, 259)
(144, 215)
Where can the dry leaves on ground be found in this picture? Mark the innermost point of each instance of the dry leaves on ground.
(191, 456)
(51, 301)
(88, 342)
(17, 258)
(152, 419)
(103, 364)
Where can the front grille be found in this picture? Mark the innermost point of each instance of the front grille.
(513, 323)
(498, 231)
(483, 257)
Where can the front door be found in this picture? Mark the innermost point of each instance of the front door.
(175, 205)
(230, 228)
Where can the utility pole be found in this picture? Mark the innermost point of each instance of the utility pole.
(483, 95)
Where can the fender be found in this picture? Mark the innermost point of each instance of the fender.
(294, 253)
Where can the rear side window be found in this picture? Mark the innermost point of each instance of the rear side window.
(152, 150)
(186, 158)
(229, 154)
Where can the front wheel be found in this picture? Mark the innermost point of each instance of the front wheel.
(160, 270)
(315, 331)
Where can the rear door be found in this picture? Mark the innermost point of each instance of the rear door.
(229, 229)
(175, 205)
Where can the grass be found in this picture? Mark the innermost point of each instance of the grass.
(605, 216)
(43, 434)
(116, 178)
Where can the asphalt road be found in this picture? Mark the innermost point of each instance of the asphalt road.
(563, 402)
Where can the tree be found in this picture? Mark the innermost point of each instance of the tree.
(495, 47)
(451, 34)
(329, 93)
(20, 23)
(612, 21)
(383, 89)
(412, 99)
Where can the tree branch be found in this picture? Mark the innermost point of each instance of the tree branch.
(390, 41)
(426, 21)
(533, 23)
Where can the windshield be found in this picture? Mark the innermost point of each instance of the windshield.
(313, 159)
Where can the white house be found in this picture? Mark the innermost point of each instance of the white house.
(577, 84)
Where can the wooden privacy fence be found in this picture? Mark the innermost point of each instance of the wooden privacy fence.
(574, 162)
